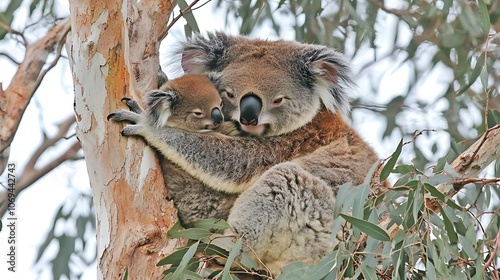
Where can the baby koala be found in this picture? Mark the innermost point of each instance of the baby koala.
(190, 102)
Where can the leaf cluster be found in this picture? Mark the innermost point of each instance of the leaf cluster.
(76, 253)
(206, 248)
(391, 235)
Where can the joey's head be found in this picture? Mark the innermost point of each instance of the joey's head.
(190, 102)
(270, 87)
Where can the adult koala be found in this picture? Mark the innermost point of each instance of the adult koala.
(281, 181)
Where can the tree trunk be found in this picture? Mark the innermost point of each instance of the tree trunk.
(113, 50)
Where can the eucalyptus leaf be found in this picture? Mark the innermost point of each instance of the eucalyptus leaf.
(450, 229)
(188, 16)
(211, 223)
(484, 16)
(185, 261)
(235, 251)
(389, 166)
(368, 228)
(484, 77)
(247, 261)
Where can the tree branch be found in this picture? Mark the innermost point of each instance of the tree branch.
(31, 174)
(61, 134)
(475, 159)
(15, 99)
(9, 57)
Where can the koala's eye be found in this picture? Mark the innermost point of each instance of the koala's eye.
(277, 102)
(198, 113)
(229, 95)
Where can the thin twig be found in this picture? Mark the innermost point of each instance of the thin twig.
(461, 182)
(416, 134)
(15, 32)
(10, 58)
(49, 142)
(30, 176)
(196, 8)
(471, 159)
(188, 9)
(494, 253)
(60, 46)
(486, 91)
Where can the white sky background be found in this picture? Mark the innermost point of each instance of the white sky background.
(37, 206)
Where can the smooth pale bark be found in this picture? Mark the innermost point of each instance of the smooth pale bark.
(113, 51)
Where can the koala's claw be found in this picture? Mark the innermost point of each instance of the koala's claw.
(133, 105)
(110, 116)
(125, 116)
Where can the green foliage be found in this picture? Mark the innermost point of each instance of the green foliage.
(191, 24)
(454, 242)
(73, 241)
(6, 17)
(391, 163)
(206, 244)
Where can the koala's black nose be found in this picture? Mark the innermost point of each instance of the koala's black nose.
(250, 106)
(217, 116)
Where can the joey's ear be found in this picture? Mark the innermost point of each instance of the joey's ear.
(156, 98)
(329, 74)
(202, 54)
(160, 105)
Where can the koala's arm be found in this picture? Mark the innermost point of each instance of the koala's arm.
(224, 163)
(347, 160)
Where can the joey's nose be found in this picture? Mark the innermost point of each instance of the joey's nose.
(250, 107)
(217, 116)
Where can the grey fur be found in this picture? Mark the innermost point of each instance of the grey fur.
(283, 182)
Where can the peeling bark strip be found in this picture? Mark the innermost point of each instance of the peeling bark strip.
(113, 52)
(15, 99)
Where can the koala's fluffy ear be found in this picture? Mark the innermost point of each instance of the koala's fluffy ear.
(160, 104)
(202, 54)
(330, 76)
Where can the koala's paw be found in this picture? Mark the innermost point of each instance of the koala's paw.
(125, 116)
(131, 130)
(134, 116)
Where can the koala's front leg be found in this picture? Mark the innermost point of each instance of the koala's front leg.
(285, 217)
(136, 115)
(133, 116)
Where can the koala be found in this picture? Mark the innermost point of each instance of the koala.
(277, 186)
